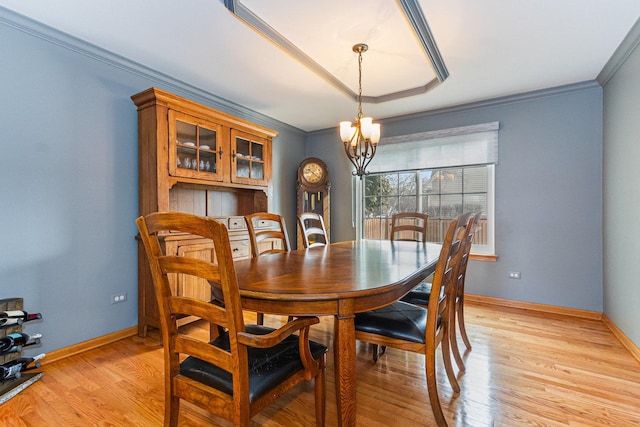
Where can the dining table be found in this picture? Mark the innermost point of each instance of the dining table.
(340, 280)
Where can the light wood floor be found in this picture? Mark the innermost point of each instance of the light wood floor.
(525, 369)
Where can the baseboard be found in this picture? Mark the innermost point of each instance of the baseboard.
(89, 345)
(626, 342)
(585, 314)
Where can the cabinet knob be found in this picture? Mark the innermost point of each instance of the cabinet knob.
(220, 152)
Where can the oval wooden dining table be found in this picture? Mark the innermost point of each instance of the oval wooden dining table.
(339, 280)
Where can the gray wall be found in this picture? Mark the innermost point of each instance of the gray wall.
(621, 195)
(548, 192)
(69, 183)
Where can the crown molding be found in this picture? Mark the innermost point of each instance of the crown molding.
(51, 35)
(626, 48)
(489, 103)
(500, 101)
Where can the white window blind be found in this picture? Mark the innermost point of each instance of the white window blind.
(468, 145)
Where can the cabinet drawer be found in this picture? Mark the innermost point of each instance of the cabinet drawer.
(240, 249)
(263, 224)
(223, 220)
(237, 223)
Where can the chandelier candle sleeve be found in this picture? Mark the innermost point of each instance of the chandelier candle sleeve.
(347, 131)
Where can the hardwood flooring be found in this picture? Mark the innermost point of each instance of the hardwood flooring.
(525, 369)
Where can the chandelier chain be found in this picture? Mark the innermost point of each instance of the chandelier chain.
(360, 115)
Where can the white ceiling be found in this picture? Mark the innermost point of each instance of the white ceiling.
(491, 48)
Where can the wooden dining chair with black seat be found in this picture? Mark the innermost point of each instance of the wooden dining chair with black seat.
(267, 235)
(458, 312)
(420, 295)
(416, 223)
(312, 230)
(407, 226)
(421, 330)
(242, 371)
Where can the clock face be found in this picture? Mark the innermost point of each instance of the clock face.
(313, 173)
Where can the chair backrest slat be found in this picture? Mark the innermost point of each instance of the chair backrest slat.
(205, 310)
(185, 344)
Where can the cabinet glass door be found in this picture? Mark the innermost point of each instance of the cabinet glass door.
(250, 154)
(194, 147)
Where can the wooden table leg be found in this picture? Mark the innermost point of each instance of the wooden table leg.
(344, 356)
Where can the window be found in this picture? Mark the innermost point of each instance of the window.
(445, 187)
(443, 194)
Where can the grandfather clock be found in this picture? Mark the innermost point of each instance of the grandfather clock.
(313, 187)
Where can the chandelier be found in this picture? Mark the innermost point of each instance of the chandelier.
(360, 141)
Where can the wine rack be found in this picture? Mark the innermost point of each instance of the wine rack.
(11, 387)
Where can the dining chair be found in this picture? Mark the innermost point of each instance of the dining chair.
(267, 235)
(404, 223)
(247, 367)
(416, 223)
(421, 330)
(312, 230)
(420, 295)
(407, 226)
(458, 312)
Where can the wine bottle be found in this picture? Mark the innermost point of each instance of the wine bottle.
(14, 342)
(24, 363)
(27, 361)
(20, 314)
(9, 373)
(5, 322)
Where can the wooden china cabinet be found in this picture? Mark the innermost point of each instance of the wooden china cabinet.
(198, 160)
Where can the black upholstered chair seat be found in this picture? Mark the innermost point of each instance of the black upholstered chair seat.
(399, 320)
(419, 295)
(268, 367)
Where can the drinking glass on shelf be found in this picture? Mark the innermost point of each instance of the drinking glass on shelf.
(187, 163)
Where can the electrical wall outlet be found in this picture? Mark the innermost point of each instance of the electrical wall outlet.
(514, 275)
(118, 298)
